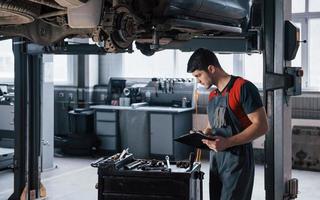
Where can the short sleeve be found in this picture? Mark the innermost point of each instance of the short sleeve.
(250, 98)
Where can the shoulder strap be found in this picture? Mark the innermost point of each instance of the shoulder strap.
(231, 83)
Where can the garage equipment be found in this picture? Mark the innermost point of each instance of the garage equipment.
(115, 89)
(81, 121)
(6, 158)
(82, 139)
(136, 179)
(306, 148)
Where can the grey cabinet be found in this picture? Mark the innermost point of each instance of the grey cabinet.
(7, 117)
(134, 132)
(161, 133)
(7, 126)
(164, 127)
(107, 129)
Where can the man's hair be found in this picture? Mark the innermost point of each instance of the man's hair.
(201, 59)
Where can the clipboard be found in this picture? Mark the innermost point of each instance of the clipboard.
(194, 139)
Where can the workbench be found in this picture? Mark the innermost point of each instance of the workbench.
(146, 130)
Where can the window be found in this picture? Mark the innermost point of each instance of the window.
(314, 49)
(6, 62)
(182, 59)
(314, 6)
(226, 62)
(298, 6)
(60, 68)
(173, 63)
(167, 63)
(308, 20)
(63, 65)
(253, 65)
(137, 65)
(64, 69)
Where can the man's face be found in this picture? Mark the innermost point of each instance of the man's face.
(203, 77)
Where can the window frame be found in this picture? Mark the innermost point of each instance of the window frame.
(238, 67)
(304, 18)
(72, 63)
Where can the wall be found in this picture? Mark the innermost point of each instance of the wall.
(306, 106)
(47, 117)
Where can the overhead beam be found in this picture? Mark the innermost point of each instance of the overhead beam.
(219, 44)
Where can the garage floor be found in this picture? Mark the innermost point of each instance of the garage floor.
(74, 179)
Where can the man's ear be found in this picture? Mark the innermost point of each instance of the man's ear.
(211, 69)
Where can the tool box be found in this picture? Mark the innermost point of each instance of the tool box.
(128, 178)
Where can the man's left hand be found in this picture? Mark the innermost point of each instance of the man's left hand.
(218, 144)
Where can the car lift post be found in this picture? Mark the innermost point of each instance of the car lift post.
(27, 121)
(278, 144)
(28, 81)
(20, 117)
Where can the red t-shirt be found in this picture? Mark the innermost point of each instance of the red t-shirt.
(244, 98)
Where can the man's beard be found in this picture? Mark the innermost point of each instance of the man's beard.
(211, 84)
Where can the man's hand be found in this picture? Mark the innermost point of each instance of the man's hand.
(207, 131)
(218, 144)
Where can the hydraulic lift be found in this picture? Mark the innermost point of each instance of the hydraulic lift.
(279, 80)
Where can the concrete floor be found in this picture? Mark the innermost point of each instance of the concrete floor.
(74, 179)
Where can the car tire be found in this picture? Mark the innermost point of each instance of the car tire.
(17, 12)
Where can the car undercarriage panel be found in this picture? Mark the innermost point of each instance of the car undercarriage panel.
(118, 23)
(227, 11)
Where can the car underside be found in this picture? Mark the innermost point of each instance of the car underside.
(116, 24)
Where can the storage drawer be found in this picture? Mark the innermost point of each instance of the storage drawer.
(106, 128)
(108, 143)
(117, 183)
(117, 196)
(151, 186)
(106, 116)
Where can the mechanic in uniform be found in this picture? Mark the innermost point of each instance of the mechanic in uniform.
(236, 117)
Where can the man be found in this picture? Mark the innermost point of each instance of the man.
(236, 117)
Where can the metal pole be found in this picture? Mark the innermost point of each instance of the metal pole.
(268, 64)
(34, 72)
(278, 140)
(20, 118)
(27, 84)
